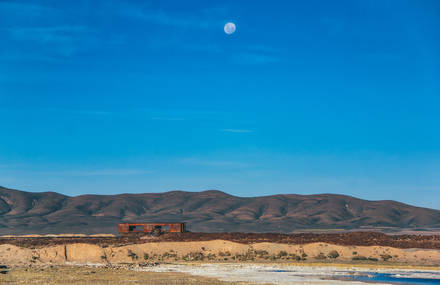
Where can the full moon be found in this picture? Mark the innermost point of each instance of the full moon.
(230, 28)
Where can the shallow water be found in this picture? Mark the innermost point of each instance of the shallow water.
(392, 279)
(407, 278)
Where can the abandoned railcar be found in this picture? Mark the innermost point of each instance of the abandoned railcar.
(128, 228)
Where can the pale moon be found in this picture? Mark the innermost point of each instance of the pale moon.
(230, 28)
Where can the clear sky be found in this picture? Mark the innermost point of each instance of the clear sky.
(148, 96)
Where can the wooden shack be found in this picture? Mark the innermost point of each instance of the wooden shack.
(164, 227)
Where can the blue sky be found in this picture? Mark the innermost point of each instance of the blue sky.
(149, 96)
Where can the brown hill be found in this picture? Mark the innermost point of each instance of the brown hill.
(210, 211)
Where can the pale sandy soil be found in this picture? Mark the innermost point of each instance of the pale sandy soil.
(230, 261)
(219, 250)
(84, 275)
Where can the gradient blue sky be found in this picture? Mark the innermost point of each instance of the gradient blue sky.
(149, 96)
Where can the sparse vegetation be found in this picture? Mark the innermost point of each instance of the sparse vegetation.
(321, 256)
(226, 253)
(194, 256)
(363, 258)
(333, 254)
(211, 256)
(252, 255)
(132, 255)
(217, 251)
(359, 257)
(386, 257)
(244, 257)
(295, 257)
(34, 258)
(282, 254)
(262, 253)
(168, 255)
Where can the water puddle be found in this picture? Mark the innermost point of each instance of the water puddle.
(401, 278)
(392, 278)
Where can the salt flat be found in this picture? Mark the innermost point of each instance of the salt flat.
(287, 274)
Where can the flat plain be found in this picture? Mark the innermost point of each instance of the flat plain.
(100, 275)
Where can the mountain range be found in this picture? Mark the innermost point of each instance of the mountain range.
(207, 211)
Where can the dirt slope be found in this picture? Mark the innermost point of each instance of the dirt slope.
(214, 250)
(209, 211)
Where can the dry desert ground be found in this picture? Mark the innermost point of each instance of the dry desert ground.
(145, 260)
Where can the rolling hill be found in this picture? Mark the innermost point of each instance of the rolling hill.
(210, 211)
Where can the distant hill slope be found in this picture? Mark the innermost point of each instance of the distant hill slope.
(209, 211)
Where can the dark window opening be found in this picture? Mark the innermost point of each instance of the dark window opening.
(136, 228)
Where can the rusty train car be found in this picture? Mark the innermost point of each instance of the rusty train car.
(151, 228)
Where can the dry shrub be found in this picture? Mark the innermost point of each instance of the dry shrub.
(333, 254)
(226, 253)
(386, 257)
(359, 257)
(132, 255)
(194, 256)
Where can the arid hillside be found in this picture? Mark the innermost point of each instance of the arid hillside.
(209, 211)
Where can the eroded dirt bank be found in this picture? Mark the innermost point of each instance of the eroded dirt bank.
(214, 251)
